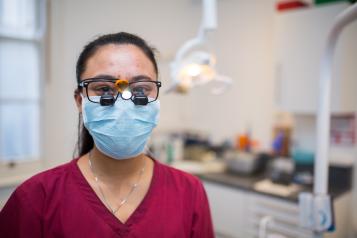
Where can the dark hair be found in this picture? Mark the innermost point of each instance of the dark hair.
(85, 141)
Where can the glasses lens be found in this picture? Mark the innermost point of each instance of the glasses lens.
(148, 89)
(97, 89)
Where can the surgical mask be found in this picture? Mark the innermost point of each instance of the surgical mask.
(120, 131)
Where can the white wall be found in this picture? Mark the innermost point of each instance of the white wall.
(243, 43)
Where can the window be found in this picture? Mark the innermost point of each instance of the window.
(22, 24)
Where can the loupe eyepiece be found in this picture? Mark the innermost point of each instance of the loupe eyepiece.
(139, 98)
(107, 100)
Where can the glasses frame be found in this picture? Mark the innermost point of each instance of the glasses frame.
(85, 82)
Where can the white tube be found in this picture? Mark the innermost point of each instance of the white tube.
(323, 119)
(209, 15)
(209, 18)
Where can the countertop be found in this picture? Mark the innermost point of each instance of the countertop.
(247, 183)
(215, 172)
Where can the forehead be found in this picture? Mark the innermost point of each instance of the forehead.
(122, 61)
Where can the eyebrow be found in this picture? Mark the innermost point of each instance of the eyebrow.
(133, 79)
(105, 76)
(140, 78)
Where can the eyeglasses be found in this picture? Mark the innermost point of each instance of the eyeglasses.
(106, 91)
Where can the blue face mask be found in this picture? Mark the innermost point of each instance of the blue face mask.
(120, 131)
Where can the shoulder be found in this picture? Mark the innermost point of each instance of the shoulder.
(31, 196)
(185, 188)
(46, 180)
(179, 178)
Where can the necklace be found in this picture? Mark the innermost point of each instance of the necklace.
(124, 200)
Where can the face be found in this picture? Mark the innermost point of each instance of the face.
(118, 61)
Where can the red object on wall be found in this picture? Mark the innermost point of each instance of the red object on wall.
(288, 5)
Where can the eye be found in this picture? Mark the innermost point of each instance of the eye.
(140, 89)
(104, 89)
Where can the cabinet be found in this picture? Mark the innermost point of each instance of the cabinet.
(229, 209)
(300, 38)
(236, 213)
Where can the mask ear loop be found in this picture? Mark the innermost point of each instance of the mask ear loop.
(82, 95)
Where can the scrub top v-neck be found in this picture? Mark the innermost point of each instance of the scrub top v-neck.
(102, 211)
(60, 203)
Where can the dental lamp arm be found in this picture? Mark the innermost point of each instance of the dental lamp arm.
(323, 119)
(209, 17)
(209, 23)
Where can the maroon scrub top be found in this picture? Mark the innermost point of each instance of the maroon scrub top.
(60, 203)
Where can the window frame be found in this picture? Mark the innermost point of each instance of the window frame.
(13, 173)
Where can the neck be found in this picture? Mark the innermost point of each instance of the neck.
(110, 170)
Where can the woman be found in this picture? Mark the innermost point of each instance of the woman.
(113, 189)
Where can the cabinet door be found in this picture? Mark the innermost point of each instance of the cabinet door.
(284, 215)
(300, 38)
(229, 210)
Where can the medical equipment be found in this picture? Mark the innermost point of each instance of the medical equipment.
(121, 84)
(140, 92)
(316, 211)
(194, 66)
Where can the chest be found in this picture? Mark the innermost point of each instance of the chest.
(72, 218)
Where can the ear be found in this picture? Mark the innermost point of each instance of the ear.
(78, 99)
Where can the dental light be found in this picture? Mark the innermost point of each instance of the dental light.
(316, 209)
(194, 66)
